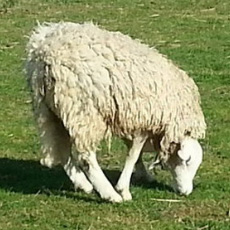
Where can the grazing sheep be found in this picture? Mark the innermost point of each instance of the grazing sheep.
(89, 84)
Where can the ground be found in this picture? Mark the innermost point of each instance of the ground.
(195, 35)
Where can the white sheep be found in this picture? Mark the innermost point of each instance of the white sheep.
(89, 84)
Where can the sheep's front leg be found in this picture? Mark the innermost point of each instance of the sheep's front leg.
(97, 177)
(133, 155)
(77, 176)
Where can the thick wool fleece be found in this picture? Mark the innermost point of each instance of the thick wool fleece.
(100, 82)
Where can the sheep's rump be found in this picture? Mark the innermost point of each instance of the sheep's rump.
(99, 82)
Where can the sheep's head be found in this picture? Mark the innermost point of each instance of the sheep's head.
(183, 161)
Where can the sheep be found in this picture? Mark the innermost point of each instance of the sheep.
(89, 84)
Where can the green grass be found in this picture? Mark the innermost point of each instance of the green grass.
(195, 35)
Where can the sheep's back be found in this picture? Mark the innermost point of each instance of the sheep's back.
(129, 85)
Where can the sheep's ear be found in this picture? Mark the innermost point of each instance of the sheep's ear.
(183, 155)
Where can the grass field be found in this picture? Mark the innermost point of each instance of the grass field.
(195, 35)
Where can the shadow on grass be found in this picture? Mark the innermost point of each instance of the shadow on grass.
(29, 177)
(113, 176)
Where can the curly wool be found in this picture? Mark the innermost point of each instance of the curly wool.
(103, 83)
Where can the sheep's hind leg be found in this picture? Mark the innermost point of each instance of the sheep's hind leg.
(141, 173)
(97, 177)
(56, 147)
(133, 155)
(77, 176)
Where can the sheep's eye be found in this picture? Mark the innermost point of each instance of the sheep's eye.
(187, 161)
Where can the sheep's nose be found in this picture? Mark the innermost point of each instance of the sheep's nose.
(183, 191)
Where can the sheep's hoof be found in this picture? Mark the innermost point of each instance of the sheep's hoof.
(125, 193)
(88, 191)
(87, 188)
(115, 199)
